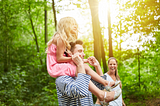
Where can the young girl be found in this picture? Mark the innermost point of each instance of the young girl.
(58, 64)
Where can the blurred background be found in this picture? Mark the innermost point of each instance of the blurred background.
(128, 30)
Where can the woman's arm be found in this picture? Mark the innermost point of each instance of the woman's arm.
(123, 104)
(60, 52)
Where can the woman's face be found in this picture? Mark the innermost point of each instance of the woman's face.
(112, 65)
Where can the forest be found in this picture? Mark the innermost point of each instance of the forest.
(128, 30)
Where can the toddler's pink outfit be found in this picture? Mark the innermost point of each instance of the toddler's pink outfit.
(58, 69)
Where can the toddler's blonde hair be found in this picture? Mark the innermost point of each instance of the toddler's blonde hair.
(64, 30)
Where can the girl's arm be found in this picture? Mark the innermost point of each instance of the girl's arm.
(60, 52)
(93, 61)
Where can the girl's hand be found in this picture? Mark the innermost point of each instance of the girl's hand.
(69, 54)
(93, 61)
(85, 60)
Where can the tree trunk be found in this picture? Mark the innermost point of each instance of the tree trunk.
(103, 57)
(120, 25)
(45, 28)
(109, 32)
(34, 34)
(5, 42)
(54, 12)
(5, 58)
(96, 29)
(45, 23)
(139, 75)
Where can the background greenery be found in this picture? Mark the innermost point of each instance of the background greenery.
(24, 80)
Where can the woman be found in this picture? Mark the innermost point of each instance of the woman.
(112, 75)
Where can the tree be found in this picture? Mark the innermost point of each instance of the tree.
(144, 16)
(54, 12)
(109, 32)
(9, 22)
(45, 22)
(33, 29)
(98, 42)
(96, 28)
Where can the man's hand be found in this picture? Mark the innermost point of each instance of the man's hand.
(79, 62)
(76, 59)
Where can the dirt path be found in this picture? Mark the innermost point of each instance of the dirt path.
(153, 102)
(146, 102)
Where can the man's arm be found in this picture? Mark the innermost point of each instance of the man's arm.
(77, 88)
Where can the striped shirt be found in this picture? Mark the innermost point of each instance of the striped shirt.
(74, 91)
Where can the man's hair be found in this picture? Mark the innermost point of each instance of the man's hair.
(80, 42)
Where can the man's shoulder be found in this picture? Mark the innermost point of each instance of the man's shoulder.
(64, 78)
(67, 79)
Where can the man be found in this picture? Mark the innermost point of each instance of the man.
(74, 91)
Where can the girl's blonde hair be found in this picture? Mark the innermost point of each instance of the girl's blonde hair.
(116, 73)
(64, 31)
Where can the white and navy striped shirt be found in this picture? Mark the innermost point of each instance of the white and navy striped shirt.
(73, 91)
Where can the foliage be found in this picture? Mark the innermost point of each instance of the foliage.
(142, 20)
(27, 88)
(145, 15)
(24, 81)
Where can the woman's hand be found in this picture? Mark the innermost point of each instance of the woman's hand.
(123, 104)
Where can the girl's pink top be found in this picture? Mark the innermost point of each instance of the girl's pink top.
(58, 69)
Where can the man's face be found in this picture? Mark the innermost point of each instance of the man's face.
(79, 49)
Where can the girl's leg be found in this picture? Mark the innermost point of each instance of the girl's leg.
(100, 94)
(98, 102)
